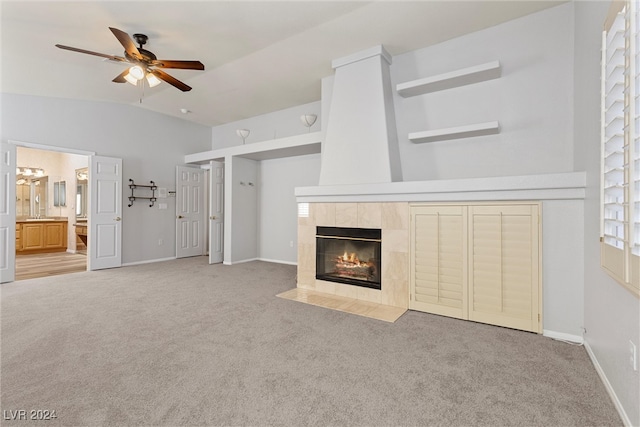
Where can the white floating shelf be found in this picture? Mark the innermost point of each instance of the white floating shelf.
(297, 145)
(466, 76)
(479, 129)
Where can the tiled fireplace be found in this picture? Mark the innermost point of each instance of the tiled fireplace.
(391, 220)
(349, 255)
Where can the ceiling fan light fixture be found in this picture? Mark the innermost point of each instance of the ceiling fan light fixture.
(128, 77)
(140, 60)
(153, 80)
(136, 72)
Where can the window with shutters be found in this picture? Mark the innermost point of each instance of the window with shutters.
(620, 166)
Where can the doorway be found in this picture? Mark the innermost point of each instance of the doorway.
(48, 216)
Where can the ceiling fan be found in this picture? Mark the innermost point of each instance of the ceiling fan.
(144, 63)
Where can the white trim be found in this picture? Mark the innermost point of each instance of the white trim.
(149, 261)
(242, 261)
(540, 187)
(52, 148)
(277, 261)
(363, 54)
(563, 336)
(607, 385)
(297, 145)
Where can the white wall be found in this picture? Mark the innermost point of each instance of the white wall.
(150, 144)
(278, 221)
(532, 101)
(263, 218)
(612, 314)
(244, 210)
(278, 124)
(563, 268)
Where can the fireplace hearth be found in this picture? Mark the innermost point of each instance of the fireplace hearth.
(349, 255)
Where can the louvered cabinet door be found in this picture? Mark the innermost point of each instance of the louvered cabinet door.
(504, 268)
(439, 260)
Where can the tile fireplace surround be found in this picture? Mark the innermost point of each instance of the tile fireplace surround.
(391, 218)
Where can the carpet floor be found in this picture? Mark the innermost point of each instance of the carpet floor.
(185, 343)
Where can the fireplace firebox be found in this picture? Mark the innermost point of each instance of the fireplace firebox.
(349, 255)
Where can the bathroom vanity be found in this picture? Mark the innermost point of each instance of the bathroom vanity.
(40, 235)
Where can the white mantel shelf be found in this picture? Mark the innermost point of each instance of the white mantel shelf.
(561, 186)
(298, 145)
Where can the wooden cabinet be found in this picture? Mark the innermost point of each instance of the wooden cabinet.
(41, 236)
(439, 260)
(504, 266)
(81, 235)
(32, 236)
(18, 236)
(477, 262)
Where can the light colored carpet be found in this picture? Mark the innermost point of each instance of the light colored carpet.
(185, 343)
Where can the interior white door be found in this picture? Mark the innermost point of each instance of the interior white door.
(105, 214)
(7, 213)
(190, 212)
(216, 213)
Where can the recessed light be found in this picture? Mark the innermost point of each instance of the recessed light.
(184, 111)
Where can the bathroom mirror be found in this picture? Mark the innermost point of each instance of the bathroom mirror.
(31, 196)
(81, 192)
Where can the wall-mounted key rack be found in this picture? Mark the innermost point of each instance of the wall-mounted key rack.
(133, 186)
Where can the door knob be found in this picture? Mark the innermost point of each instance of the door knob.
(180, 216)
(118, 218)
(212, 217)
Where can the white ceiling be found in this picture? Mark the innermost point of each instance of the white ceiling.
(260, 56)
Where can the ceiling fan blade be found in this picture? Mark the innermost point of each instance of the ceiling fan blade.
(126, 42)
(120, 78)
(171, 80)
(184, 65)
(88, 52)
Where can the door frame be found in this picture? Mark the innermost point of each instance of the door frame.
(216, 218)
(12, 202)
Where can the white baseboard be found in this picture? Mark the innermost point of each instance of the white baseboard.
(241, 261)
(71, 251)
(607, 385)
(563, 336)
(277, 261)
(149, 261)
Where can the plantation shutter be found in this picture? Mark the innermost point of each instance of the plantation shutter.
(439, 261)
(504, 266)
(621, 144)
(613, 135)
(633, 194)
(614, 116)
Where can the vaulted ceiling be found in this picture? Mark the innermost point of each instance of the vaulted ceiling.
(260, 56)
